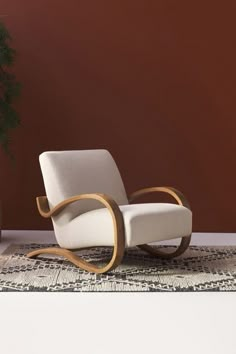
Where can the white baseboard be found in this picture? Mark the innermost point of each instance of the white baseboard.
(209, 239)
(198, 238)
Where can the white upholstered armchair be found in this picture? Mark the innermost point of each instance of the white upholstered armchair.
(88, 205)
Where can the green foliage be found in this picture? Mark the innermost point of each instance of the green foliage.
(9, 90)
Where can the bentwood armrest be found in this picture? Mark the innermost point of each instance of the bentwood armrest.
(177, 195)
(118, 226)
(44, 210)
(181, 200)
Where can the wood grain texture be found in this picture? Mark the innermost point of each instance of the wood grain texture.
(118, 224)
(181, 200)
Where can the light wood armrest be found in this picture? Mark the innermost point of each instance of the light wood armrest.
(118, 226)
(181, 200)
(44, 210)
(177, 195)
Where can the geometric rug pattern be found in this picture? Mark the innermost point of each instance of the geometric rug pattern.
(199, 269)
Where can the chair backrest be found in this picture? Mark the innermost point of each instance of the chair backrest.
(69, 173)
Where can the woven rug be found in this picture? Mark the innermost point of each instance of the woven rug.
(199, 269)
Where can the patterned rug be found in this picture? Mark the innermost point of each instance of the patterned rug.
(199, 269)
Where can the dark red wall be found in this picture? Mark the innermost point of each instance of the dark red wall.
(152, 81)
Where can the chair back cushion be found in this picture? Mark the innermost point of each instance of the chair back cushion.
(69, 173)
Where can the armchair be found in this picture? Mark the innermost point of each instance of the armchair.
(87, 203)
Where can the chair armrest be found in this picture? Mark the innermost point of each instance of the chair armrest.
(177, 195)
(44, 210)
(118, 226)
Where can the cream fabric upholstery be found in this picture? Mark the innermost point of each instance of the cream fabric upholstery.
(144, 223)
(69, 173)
(87, 223)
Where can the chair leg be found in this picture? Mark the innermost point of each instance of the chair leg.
(180, 250)
(78, 261)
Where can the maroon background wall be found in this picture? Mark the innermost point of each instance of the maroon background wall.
(152, 81)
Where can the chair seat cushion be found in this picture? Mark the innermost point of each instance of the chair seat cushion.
(144, 223)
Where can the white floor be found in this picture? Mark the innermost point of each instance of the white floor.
(35, 236)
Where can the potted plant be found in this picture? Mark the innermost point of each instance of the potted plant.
(9, 90)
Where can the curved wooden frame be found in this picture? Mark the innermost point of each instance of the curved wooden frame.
(119, 234)
(181, 200)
